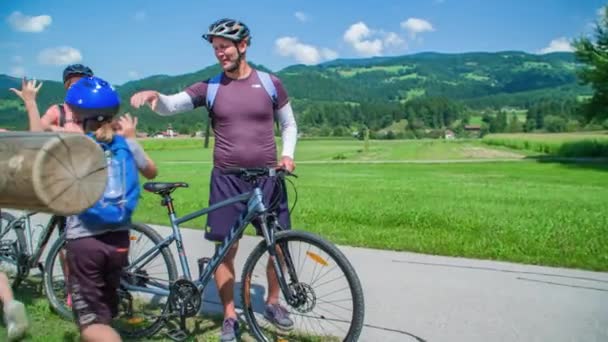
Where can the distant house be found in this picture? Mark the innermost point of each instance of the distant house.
(472, 128)
(169, 133)
(449, 135)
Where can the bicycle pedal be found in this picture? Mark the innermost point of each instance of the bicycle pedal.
(178, 335)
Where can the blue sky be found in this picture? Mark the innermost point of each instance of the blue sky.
(125, 40)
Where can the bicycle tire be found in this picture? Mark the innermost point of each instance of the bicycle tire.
(284, 238)
(57, 306)
(60, 307)
(20, 246)
(167, 257)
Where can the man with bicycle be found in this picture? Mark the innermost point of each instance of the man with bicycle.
(242, 116)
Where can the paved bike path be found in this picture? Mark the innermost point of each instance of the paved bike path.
(417, 297)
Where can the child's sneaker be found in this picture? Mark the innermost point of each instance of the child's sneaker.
(15, 319)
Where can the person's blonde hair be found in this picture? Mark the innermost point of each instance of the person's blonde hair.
(105, 132)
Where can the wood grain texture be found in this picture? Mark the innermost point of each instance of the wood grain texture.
(60, 173)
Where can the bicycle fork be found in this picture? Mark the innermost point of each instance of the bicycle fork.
(281, 261)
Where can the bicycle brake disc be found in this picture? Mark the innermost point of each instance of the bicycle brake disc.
(185, 297)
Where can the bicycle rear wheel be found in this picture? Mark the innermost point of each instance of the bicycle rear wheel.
(12, 249)
(330, 305)
(142, 313)
(135, 318)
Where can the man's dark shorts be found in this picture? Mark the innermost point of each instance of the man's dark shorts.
(223, 186)
(95, 265)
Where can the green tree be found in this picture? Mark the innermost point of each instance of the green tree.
(555, 123)
(514, 125)
(594, 55)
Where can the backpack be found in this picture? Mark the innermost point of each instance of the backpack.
(214, 84)
(61, 115)
(121, 196)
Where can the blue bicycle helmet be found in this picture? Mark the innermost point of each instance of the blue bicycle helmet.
(93, 98)
(76, 69)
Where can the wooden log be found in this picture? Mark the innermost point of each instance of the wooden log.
(60, 173)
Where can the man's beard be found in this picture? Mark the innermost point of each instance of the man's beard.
(234, 66)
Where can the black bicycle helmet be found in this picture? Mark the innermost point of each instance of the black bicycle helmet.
(76, 69)
(230, 29)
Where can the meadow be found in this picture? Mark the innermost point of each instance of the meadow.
(568, 145)
(460, 198)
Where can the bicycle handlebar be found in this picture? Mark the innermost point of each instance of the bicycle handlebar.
(258, 172)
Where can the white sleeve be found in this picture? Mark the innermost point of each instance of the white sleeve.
(173, 104)
(289, 130)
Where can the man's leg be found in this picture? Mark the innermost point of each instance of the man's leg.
(273, 282)
(224, 280)
(276, 313)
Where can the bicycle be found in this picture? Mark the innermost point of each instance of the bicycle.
(171, 297)
(17, 253)
(55, 285)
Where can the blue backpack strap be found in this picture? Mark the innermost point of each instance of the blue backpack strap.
(268, 86)
(213, 86)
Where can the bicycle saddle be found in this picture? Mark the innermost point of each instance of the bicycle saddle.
(160, 187)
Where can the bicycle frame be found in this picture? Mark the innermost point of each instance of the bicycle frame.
(255, 208)
(33, 255)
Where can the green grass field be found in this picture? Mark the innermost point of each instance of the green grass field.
(569, 145)
(525, 211)
(346, 150)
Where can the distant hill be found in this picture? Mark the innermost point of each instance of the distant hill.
(478, 79)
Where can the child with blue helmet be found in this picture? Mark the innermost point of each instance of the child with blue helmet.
(95, 254)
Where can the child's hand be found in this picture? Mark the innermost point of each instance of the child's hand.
(127, 126)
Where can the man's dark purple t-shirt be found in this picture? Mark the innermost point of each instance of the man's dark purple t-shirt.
(243, 117)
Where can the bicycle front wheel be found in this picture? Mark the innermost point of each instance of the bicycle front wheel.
(328, 302)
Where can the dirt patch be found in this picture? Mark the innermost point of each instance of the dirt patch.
(481, 152)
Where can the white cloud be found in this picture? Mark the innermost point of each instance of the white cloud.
(61, 55)
(303, 53)
(358, 35)
(560, 44)
(140, 15)
(393, 40)
(133, 74)
(600, 12)
(415, 26)
(17, 71)
(368, 42)
(20, 22)
(301, 16)
(329, 54)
